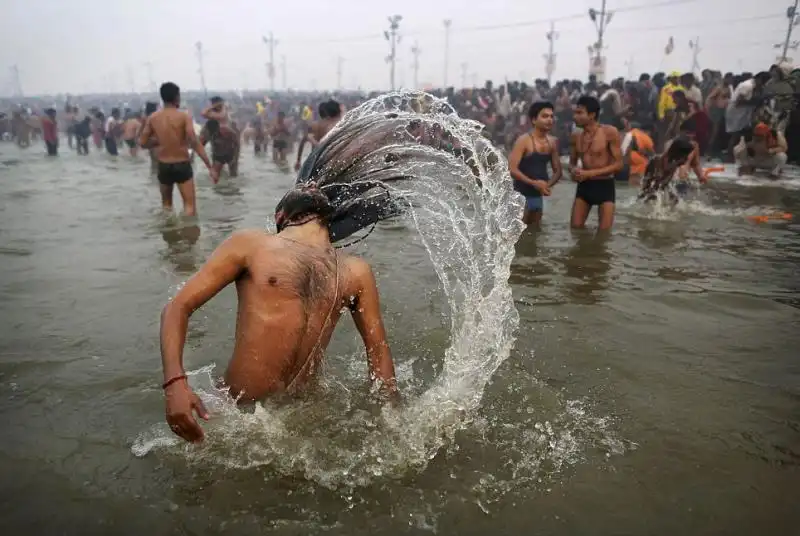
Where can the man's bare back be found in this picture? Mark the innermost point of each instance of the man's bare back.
(173, 133)
(291, 289)
(319, 129)
(130, 129)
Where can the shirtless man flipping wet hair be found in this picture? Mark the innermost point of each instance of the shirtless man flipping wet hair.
(292, 287)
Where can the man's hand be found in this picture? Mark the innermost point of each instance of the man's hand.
(182, 403)
(214, 175)
(542, 186)
(580, 175)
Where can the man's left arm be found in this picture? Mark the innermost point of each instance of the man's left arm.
(366, 312)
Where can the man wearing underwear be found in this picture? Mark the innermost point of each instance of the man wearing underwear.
(598, 148)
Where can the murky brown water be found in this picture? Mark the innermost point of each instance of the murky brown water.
(654, 387)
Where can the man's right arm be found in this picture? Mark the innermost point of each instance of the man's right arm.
(573, 152)
(222, 268)
(517, 152)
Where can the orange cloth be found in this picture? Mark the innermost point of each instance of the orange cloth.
(763, 131)
(638, 161)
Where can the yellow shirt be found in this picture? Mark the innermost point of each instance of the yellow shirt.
(307, 113)
(665, 101)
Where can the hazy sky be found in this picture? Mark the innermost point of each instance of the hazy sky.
(103, 45)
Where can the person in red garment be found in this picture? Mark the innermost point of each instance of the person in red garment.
(50, 131)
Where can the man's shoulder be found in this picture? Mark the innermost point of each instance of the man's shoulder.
(245, 240)
(610, 130)
(523, 138)
(358, 270)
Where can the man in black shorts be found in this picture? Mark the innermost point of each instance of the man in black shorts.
(598, 148)
(173, 131)
(224, 146)
(280, 139)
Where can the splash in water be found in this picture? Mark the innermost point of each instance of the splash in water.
(405, 153)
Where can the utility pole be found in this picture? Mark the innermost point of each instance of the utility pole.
(393, 37)
(339, 63)
(447, 24)
(794, 20)
(271, 43)
(464, 67)
(131, 80)
(600, 20)
(283, 73)
(550, 57)
(629, 65)
(201, 70)
(416, 51)
(17, 83)
(695, 46)
(149, 66)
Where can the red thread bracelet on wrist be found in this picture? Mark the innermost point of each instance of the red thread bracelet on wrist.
(173, 380)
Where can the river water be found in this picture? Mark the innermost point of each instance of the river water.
(653, 387)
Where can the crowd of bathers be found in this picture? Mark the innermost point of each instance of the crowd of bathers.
(721, 110)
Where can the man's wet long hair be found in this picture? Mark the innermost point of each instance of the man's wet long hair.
(301, 202)
(360, 164)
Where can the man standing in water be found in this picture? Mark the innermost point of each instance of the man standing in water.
(292, 287)
(224, 146)
(528, 161)
(217, 111)
(112, 128)
(598, 147)
(280, 139)
(173, 131)
(50, 131)
(330, 112)
(130, 131)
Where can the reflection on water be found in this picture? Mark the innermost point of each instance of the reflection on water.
(180, 242)
(660, 235)
(228, 188)
(586, 266)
